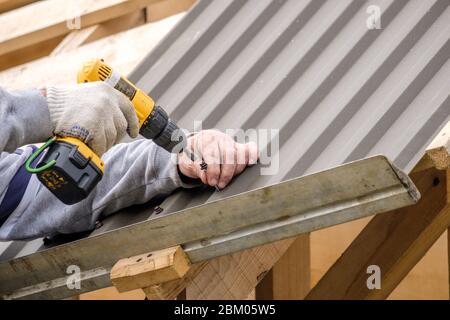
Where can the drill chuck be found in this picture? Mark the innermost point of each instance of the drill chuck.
(163, 131)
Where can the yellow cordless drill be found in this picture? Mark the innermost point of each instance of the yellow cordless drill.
(70, 169)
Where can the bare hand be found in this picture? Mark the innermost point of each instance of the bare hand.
(224, 158)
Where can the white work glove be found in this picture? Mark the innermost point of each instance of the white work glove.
(94, 112)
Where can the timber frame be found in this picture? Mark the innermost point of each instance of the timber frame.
(395, 241)
(278, 270)
(249, 219)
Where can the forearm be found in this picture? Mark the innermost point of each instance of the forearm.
(24, 119)
(134, 174)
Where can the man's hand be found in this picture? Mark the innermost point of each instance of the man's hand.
(225, 158)
(95, 113)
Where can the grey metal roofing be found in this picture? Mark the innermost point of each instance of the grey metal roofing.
(336, 90)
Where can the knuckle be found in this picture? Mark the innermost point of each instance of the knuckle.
(215, 172)
(227, 177)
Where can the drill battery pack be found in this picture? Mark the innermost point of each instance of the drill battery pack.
(75, 170)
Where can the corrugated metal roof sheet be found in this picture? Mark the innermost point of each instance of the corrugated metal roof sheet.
(336, 90)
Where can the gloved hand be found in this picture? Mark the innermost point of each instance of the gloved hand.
(95, 113)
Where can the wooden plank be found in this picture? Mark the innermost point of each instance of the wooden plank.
(394, 242)
(170, 290)
(26, 54)
(167, 8)
(77, 38)
(123, 51)
(111, 293)
(74, 40)
(290, 277)
(54, 17)
(150, 269)
(438, 152)
(340, 194)
(7, 5)
(235, 276)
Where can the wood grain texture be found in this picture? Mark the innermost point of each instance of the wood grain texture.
(235, 276)
(150, 269)
(77, 38)
(7, 5)
(50, 19)
(123, 51)
(394, 241)
(24, 55)
(438, 152)
(167, 8)
(290, 277)
(172, 289)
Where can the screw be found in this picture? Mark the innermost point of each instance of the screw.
(158, 210)
(436, 181)
(98, 225)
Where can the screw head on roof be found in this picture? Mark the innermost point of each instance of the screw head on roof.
(436, 181)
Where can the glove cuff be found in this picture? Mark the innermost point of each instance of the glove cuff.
(56, 101)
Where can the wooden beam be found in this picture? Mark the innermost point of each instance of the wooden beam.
(393, 241)
(7, 5)
(227, 277)
(20, 43)
(167, 8)
(35, 41)
(54, 17)
(77, 38)
(235, 276)
(26, 54)
(290, 277)
(74, 40)
(172, 289)
(150, 269)
(123, 51)
(162, 275)
(438, 152)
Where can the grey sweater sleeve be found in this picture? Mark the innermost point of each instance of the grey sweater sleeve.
(134, 173)
(24, 119)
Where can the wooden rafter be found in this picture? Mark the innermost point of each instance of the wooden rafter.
(72, 23)
(395, 241)
(78, 38)
(54, 17)
(290, 277)
(7, 5)
(236, 275)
